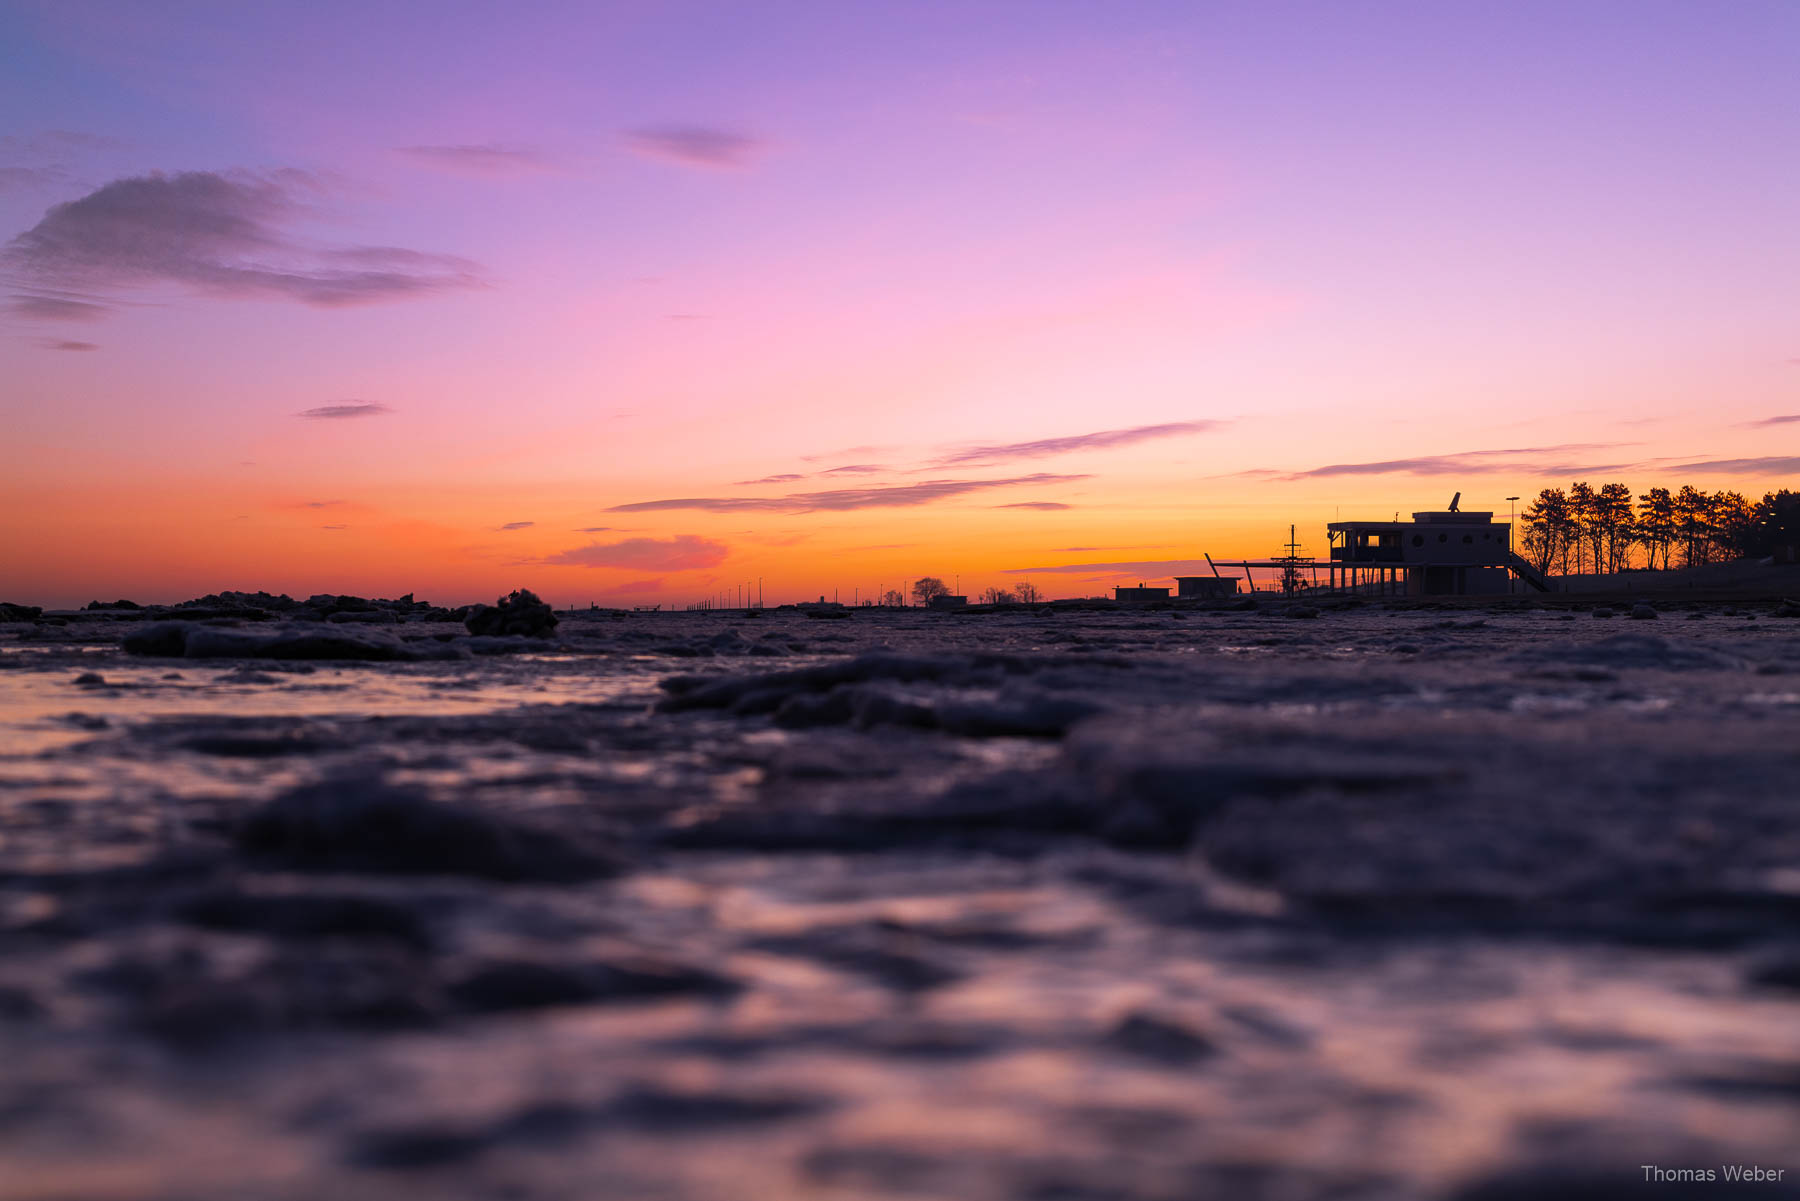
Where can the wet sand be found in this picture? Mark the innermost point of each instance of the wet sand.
(1384, 903)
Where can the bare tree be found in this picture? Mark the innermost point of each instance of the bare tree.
(997, 596)
(928, 589)
(1028, 593)
(892, 598)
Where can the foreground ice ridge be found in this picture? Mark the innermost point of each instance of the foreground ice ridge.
(1384, 904)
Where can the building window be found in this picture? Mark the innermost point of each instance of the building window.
(1418, 540)
(1468, 538)
(1443, 537)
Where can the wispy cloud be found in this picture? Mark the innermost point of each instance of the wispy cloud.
(1099, 440)
(768, 479)
(596, 529)
(1046, 506)
(517, 525)
(18, 179)
(485, 160)
(1778, 465)
(350, 408)
(65, 344)
(1528, 460)
(221, 234)
(684, 552)
(694, 145)
(856, 469)
(1784, 419)
(1150, 569)
(54, 308)
(891, 496)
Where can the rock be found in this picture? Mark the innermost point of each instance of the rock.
(1788, 608)
(1602, 611)
(90, 679)
(1300, 611)
(303, 916)
(1643, 612)
(519, 612)
(298, 640)
(354, 825)
(1165, 1042)
(11, 612)
(118, 604)
(510, 984)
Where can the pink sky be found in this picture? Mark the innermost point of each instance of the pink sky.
(1000, 286)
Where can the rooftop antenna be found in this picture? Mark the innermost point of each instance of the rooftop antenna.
(1454, 501)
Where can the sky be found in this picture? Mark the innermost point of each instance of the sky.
(638, 303)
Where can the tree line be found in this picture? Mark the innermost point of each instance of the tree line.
(1588, 529)
(928, 589)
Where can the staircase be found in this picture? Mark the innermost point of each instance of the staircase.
(1527, 572)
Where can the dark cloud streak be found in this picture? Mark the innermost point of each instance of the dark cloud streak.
(222, 234)
(349, 409)
(694, 145)
(683, 552)
(1099, 440)
(842, 499)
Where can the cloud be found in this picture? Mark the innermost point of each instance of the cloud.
(856, 469)
(517, 525)
(891, 496)
(1529, 460)
(221, 234)
(1768, 466)
(1152, 569)
(684, 552)
(334, 527)
(596, 529)
(65, 344)
(1047, 506)
(321, 504)
(54, 308)
(1100, 440)
(18, 179)
(488, 160)
(1784, 419)
(768, 479)
(694, 145)
(350, 408)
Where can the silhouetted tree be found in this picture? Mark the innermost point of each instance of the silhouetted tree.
(1612, 509)
(1732, 517)
(892, 598)
(1772, 528)
(1549, 530)
(1657, 526)
(928, 589)
(1693, 523)
(1584, 512)
(1028, 592)
(997, 596)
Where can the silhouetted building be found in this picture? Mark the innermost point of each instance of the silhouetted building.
(1140, 594)
(1447, 553)
(949, 602)
(1204, 587)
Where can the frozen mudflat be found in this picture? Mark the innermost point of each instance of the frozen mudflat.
(1385, 903)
